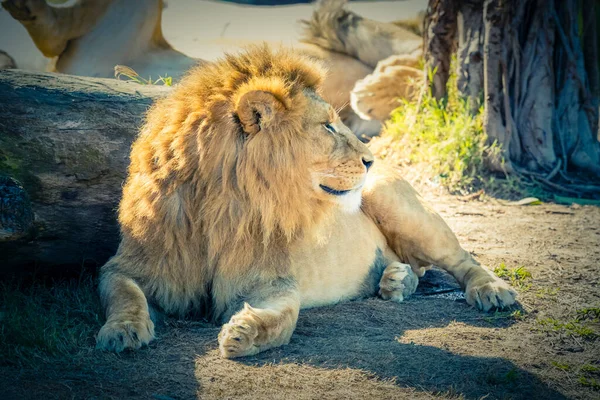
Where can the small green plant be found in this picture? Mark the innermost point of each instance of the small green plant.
(122, 71)
(589, 382)
(561, 366)
(571, 328)
(590, 313)
(515, 315)
(518, 277)
(592, 369)
(547, 292)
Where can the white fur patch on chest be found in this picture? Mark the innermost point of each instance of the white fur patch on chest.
(350, 202)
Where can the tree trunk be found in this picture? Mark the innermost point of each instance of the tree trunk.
(541, 83)
(439, 43)
(470, 52)
(533, 109)
(575, 113)
(590, 54)
(495, 114)
(66, 139)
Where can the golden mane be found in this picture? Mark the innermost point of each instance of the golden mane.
(196, 167)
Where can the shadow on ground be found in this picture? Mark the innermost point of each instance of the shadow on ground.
(367, 336)
(352, 350)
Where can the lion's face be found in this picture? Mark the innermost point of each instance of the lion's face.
(312, 157)
(339, 161)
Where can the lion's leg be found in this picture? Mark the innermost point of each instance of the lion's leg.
(50, 27)
(420, 236)
(128, 323)
(266, 320)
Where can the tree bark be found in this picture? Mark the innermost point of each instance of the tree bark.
(590, 54)
(536, 81)
(470, 52)
(66, 139)
(439, 43)
(494, 112)
(575, 112)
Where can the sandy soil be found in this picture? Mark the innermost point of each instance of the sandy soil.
(428, 346)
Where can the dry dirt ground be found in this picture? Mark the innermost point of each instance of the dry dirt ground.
(430, 346)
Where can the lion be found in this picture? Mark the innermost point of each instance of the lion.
(245, 200)
(91, 37)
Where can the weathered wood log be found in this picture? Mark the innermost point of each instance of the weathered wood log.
(66, 140)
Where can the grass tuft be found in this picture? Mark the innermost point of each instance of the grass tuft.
(41, 322)
(590, 313)
(589, 382)
(547, 293)
(516, 315)
(592, 369)
(518, 277)
(448, 146)
(561, 366)
(571, 328)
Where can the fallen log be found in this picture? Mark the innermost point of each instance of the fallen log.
(65, 140)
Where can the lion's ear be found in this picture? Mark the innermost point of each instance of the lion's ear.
(256, 109)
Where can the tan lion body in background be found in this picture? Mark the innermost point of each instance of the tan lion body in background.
(90, 37)
(248, 199)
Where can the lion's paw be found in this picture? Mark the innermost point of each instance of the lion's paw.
(377, 95)
(120, 334)
(492, 294)
(398, 282)
(237, 338)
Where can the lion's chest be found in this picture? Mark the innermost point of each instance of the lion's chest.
(345, 264)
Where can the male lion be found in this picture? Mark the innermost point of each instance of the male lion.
(245, 201)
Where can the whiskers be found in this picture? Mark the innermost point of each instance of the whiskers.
(340, 108)
(327, 174)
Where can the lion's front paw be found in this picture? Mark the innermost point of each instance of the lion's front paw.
(398, 282)
(119, 334)
(493, 293)
(237, 338)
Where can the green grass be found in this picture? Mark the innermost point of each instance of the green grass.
(571, 328)
(588, 376)
(41, 322)
(498, 379)
(449, 146)
(561, 366)
(518, 277)
(590, 313)
(592, 369)
(589, 382)
(547, 293)
(515, 315)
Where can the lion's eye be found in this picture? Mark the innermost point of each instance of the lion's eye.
(329, 128)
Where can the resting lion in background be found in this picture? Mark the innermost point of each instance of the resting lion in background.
(91, 37)
(245, 201)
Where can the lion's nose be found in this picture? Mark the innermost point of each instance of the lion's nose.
(367, 163)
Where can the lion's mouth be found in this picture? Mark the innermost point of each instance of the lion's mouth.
(333, 191)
